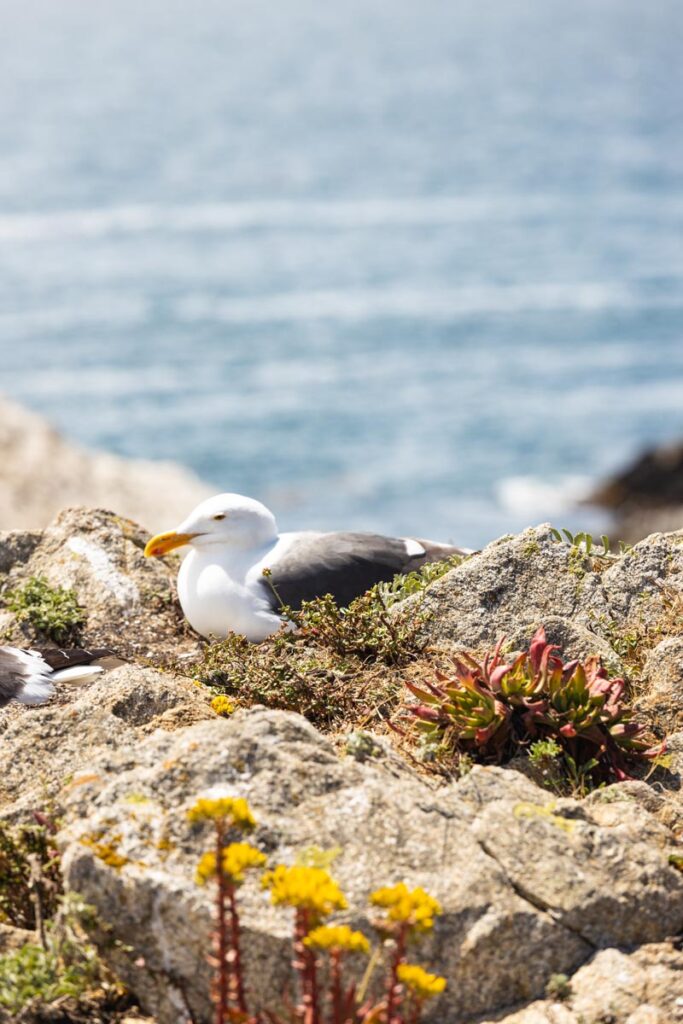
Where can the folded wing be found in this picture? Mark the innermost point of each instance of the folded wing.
(345, 565)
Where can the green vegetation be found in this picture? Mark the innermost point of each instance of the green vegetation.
(584, 543)
(558, 987)
(341, 665)
(30, 879)
(65, 966)
(572, 718)
(32, 973)
(52, 612)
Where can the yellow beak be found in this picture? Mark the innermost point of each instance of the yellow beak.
(165, 542)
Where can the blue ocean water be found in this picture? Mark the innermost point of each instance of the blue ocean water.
(385, 265)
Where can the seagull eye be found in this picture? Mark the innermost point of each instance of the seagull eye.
(220, 515)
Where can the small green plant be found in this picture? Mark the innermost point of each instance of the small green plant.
(30, 877)
(546, 759)
(34, 973)
(52, 612)
(493, 709)
(364, 629)
(408, 584)
(65, 965)
(308, 888)
(584, 543)
(558, 988)
(543, 751)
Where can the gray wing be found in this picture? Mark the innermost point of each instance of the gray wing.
(345, 565)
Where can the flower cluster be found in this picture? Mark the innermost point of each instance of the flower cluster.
(413, 907)
(217, 807)
(222, 705)
(420, 982)
(305, 888)
(235, 860)
(338, 936)
(311, 891)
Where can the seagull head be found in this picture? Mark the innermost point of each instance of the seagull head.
(227, 520)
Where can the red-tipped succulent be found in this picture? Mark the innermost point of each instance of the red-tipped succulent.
(493, 708)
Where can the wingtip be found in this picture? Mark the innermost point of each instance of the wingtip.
(35, 692)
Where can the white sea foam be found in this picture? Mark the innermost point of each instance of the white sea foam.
(355, 305)
(311, 214)
(534, 498)
(425, 303)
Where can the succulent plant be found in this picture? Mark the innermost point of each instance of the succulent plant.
(493, 708)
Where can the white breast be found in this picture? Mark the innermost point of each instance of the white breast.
(220, 593)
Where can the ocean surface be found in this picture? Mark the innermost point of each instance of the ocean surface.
(415, 267)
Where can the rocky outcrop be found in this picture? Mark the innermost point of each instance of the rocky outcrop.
(46, 751)
(647, 495)
(641, 987)
(532, 886)
(129, 600)
(588, 603)
(41, 472)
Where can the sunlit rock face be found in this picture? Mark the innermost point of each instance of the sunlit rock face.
(532, 886)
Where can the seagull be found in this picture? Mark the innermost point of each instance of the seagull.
(239, 571)
(29, 676)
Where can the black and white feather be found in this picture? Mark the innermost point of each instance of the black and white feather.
(29, 676)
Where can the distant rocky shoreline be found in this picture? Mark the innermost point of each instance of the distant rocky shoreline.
(645, 496)
(41, 472)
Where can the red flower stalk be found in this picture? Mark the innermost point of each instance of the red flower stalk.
(394, 988)
(305, 965)
(221, 983)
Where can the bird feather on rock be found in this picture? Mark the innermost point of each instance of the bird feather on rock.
(29, 676)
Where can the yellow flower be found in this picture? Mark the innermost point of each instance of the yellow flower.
(337, 937)
(223, 705)
(216, 807)
(421, 983)
(305, 888)
(236, 859)
(206, 869)
(414, 907)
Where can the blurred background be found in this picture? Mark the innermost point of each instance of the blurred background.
(413, 267)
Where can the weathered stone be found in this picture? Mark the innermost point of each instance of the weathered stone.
(641, 987)
(663, 698)
(45, 751)
(13, 938)
(528, 889)
(41, 472)
(510, 586)
(518, 583)
(129, 600)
